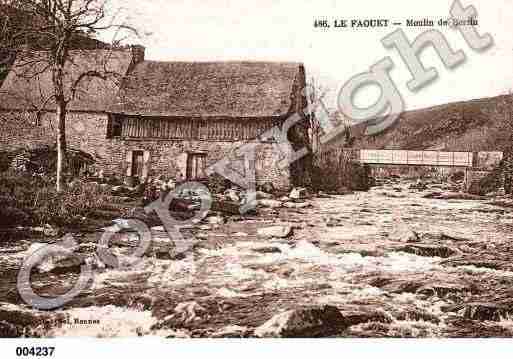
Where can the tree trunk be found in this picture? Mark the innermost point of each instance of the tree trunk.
(61, 104)
(61, 144)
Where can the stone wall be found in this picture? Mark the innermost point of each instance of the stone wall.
(168, 158)
(84, 131)
(88, 132)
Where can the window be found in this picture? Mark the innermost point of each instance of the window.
(196, 164)
(138, 164)
(114, 127)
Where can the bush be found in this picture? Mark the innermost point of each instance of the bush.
(218, 184)
(32, 200)
(490, 183)
(336, 170)
(11, 215)
(5, 160)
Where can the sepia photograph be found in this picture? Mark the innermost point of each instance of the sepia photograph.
(174, 170)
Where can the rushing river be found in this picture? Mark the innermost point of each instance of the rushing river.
(395, 262)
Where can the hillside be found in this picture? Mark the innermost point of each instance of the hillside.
(477, 125)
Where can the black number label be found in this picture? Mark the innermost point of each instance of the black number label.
(321, 23)
(35, 351)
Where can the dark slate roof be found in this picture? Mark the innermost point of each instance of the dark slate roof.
(208, 89)
(28, 87)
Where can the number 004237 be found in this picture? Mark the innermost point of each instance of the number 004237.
(35, 351)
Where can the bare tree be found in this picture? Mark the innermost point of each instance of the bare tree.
(316, 95)
(318, 112)
(44, 43)
(508, 153)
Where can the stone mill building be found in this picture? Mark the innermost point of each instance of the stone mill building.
(167, 119)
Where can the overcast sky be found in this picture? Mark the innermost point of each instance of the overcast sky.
(282, 30)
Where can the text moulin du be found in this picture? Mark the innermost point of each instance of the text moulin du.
(373, 23)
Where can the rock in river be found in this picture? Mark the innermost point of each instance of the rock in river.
(216, 220)
(270, 203)
(402, 233)
(298, 193)
(275, 231)
(306, 322)
(488, 311)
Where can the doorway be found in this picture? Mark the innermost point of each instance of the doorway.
(138, 164)
(196, 164)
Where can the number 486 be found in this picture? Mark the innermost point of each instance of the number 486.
(321, 23)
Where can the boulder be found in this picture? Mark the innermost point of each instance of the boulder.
(355, 316)
(239, 234)
(306, 322)
(232, 195)
(16, 321)
(322, 194)
(124, 239)
(187, 312)
(216, 220)
(457, 176)
(49, 231)
(269, 203)
(487, 311)
(224, 206)
(342, 190)
(417, 315)
(419, 186)
(267, 187)
(404, 234)
(444, 289)
(118, 190)
(267, 250)
(263, 195)
(64, 262)
(298, 193)
(297, 205)
(8, 330)
(453, 195)
(428, 250)
(275, 231)
(232, 331)
(445, 236)
(151, 219)
(393, 195)
(162, 247)
(333, 222)
(124, 199)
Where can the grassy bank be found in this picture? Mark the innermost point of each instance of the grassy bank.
(33, 201)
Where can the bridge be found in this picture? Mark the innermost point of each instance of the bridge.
(429, 158)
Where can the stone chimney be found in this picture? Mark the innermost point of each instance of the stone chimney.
(137, 54)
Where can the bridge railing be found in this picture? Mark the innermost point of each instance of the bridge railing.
(419, 158)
